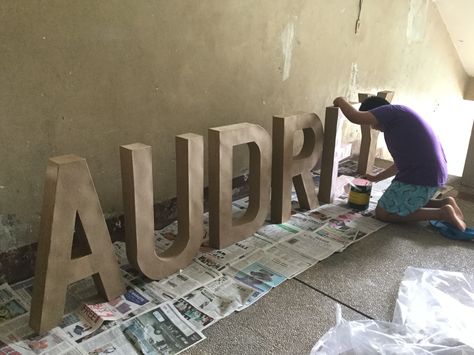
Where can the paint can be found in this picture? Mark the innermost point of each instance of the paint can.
(359, 196)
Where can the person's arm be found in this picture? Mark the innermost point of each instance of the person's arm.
(353, 115)
(390, 171)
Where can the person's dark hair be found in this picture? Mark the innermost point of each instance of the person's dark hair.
(372, 102)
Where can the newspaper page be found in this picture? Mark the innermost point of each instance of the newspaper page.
(278, 260)
(11, 306)
(112, 341)
(305, 222)
(198, 319)
(290, 262)
(275, 232)
(318, 215)
(227, 287)
(208, 303)
(343, 236)
(116, 309)
(24, 290)
(259, 267)
(166, 236)
(309, 245)
(18, 338)
(364, 221)
(242, 203)
(154, 290)
(76, 327)
(219, 259)
(188, 279)
(120, 250)
(161, 331)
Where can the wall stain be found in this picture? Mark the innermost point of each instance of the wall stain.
(417, 19)
(287, 43)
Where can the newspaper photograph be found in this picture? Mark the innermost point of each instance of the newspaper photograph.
(260, 268)
(198, 319)
(161, 331)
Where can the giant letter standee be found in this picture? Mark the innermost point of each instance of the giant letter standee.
(68, 191)
(368, 143)
(223, 229)
(330, 161)
(137, 185)
(287, 168)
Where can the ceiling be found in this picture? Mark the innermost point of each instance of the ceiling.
(458, 15)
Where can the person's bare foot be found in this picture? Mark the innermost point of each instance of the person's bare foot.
(453, 203)
(449, 215)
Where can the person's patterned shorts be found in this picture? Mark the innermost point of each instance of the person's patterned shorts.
(403, 199)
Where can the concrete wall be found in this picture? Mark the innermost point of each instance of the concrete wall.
(468, 172)
(469, 90)
(84, 77)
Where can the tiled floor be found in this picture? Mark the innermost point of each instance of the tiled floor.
(364, 278)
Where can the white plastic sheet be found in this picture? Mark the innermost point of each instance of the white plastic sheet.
(434, 314)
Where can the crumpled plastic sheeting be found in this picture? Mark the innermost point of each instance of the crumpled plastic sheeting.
(434, 314)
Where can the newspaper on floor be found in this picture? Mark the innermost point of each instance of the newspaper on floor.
(282, 262)
(275, 232)
(161, 331)
(120, 250)
(166, 236)
(290, 261)
(18, 338)
(24, 290)
(116, 309)
(219, 298)
(311, 245)
(197, 318)
(187, 280)
(219, 259)
(112, 341)
(11, 306)
(306, 222)
(259, 267)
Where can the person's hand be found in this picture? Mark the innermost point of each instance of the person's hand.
(337, 101)
(370, 177)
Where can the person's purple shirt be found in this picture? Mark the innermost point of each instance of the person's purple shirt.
(415, 148)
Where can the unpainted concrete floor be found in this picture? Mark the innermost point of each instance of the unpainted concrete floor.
(364, 279)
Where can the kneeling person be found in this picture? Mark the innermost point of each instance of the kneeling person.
(419, 163)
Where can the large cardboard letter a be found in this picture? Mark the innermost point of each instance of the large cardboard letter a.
(69, 191)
